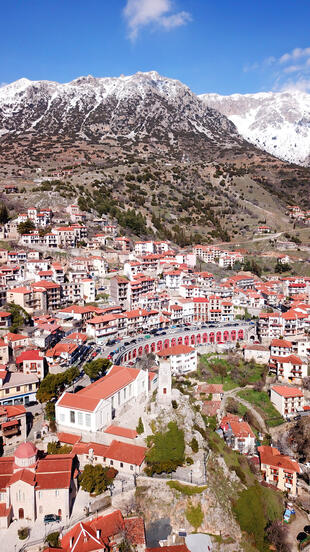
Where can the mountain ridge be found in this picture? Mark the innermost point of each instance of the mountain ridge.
(276, 122)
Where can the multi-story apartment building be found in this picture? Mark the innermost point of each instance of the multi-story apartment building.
(32, 299)
(287, 400)
(278, 470)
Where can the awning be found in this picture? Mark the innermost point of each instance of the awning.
(10, 424)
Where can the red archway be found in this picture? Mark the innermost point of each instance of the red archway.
(198, 338)
(159, 345)
(205, 338)
(147, 348)
(180, 340)
(134, 353)
(211, 337)
(140, 351)
(166, 343)
(218, 336)
(186, 340)
(226, 335)
(233, 335)
(240, 334)
(21, 513)
(173, 342)
(193, 337)
(153, 346)
(129, 355)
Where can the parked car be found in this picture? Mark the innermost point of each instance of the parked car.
(51, 518)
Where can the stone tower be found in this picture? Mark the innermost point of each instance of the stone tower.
(164, 382)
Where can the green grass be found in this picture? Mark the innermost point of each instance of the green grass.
(261, 400)
(187, 490)
(233, 460)
(248, 372)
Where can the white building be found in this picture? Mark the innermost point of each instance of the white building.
(94, 407)
(287, 400)
(182, 358)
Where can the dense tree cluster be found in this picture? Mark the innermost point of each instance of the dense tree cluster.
(167, 450)
(53, 384)
(97, 368)
(96, 479)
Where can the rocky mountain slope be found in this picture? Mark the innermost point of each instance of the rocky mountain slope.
(144, 144)
(278, 123)
(144, 107)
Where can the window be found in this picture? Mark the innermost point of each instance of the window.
(111, 462)
(121, 465)
(18, 388)
(80, 418)
(119, 398)
(56, 492)
(87, 420)
(39, 494)
(72, 416)
(30, 386)
(62, 417)
(131, 467)
(124, 393)
(7, 391)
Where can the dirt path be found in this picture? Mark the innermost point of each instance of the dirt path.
(233, 394)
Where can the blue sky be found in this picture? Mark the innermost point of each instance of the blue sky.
(223, 46)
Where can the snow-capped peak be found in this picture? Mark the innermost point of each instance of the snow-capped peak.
(277, 122)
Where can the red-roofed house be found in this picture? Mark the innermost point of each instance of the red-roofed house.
(182, 358)
(278, 470)
(290, 368)
(287, 400)
(94, 407)
(31, 362)
(105, 533)
(238, 434)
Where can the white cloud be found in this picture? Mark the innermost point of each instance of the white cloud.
(295, 64)
(140, 13)
(295, 54)
(2, 84)
(301, 84)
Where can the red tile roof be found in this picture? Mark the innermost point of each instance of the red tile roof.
(68, 438)
(176, 350)
(272, 457)
(33, 354)
(121, 431)
(287, 391)
(123, 452)
(23, 475)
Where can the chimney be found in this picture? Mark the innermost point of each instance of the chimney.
(98, 533)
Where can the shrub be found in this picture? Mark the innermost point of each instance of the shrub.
(53, 540)
(194, 445)
(189, 461)
(188, 490)
(56, 448)
(194, 515)
(23, 533)
(140, 426)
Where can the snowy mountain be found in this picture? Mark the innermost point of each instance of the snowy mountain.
(278, 123)
(142, 107)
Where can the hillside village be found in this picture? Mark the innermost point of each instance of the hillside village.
(111, 346)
